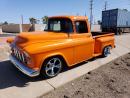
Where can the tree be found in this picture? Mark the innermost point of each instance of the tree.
(5, 23)
(33, 20)
(45, 19)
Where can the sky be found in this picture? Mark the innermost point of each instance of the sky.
(11, 10)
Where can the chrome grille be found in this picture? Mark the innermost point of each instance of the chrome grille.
(19, 55)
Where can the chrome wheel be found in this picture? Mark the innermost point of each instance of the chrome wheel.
(106, 51)
(53, 67)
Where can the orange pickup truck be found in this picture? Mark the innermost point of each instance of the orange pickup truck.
(66, 41)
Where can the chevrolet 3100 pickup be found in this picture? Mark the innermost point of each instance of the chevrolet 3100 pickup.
(66, 41)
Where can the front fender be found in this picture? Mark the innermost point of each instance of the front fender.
(42, 51)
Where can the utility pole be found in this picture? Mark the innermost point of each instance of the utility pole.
(22, 18)
(106, 4)
(21, 24)
(91, 13)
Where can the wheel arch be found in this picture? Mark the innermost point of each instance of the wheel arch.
(104, 49)
(106, 46)
(62, 57)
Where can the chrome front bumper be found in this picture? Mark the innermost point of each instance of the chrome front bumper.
(23, 68)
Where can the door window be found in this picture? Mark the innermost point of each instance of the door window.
(81, 27)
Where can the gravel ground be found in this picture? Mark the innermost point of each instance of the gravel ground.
(109, 81)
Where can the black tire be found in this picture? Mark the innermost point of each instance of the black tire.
(106, 51)
(52, 67)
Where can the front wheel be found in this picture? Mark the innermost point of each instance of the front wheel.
(52, 67)
(106, 51)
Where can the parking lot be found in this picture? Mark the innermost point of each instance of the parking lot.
(14, 84)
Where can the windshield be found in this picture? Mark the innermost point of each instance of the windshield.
(59, 25)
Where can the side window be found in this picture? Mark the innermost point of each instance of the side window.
(81, 27)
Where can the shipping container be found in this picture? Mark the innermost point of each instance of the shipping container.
(116, 20)
(123, 18)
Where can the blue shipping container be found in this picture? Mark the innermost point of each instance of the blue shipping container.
(115, 18)
(123, 18)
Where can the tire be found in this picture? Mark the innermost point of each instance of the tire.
(52, 67)
(106, 51)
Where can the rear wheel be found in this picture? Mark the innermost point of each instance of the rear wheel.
(106, 51)
(52, 67)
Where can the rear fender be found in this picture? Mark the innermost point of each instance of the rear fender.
(106, 41)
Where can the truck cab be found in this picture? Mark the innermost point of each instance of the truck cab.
(66, 41)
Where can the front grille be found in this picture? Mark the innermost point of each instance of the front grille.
(19, 55)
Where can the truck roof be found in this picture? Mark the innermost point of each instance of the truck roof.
(71, 17)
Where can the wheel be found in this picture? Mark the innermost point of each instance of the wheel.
(106, 51)
(52, 67)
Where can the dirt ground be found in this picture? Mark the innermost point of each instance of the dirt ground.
(109, 81)
(4, 47)
(4, 51)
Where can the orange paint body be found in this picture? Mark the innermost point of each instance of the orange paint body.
(73, 48)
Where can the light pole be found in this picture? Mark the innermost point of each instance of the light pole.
(91, 13)
(21, 24)
(106, 4)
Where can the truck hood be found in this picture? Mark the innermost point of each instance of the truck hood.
(25, 39)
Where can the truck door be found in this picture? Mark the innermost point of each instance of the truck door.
(83, 42)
